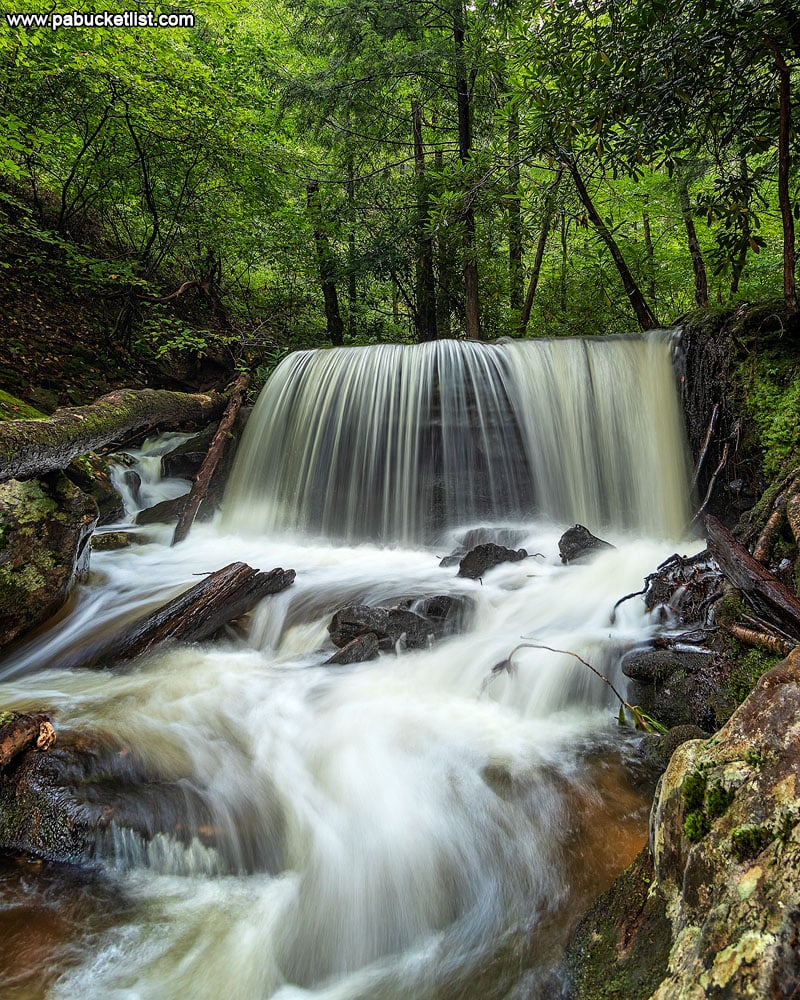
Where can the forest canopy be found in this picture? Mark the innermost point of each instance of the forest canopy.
(316, 171)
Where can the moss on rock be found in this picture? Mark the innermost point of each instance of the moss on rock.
(45, 526)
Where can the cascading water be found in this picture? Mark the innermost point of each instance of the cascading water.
(397, 443)
(400, 828)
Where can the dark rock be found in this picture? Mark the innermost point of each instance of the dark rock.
(362, 648)
(620, 949)
(133, 481)
(60, 805)
(388, 625)
(656, 749)
(675, 687)
(161, 513)
(577, 542)
(184, 461)
(483, 557)
(91, 474)
(656, 666)
(45, 527)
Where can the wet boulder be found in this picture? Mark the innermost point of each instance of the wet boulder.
(389, 625)
(109, 541)
(484, 557)
(162, 513)
(359, 650)
(92, 475)
(677, 687)
(578, 542)
(45, 527)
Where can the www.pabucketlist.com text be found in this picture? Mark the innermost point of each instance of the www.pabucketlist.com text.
(101, 19)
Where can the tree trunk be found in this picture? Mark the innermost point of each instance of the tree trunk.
(649, 250)
(784, 200)
(471, 300)
(515, 274)
(193, 616)
(210, 462)
(737, 266)
(644, 314)
(698, 264)
(33, 447)
(327, 268)
(352, 291)
(425, 316)
(537, 262)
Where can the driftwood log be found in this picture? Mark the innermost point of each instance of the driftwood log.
(23, 732)
(771, 600)
(31, 448)
(210, 462)
(193, 616)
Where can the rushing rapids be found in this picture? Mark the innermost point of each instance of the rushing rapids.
(400, 828)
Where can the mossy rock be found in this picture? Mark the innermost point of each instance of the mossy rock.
(45, 527)
(620, 949)
(91, 474)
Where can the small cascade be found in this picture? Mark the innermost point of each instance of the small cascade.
(398, 444)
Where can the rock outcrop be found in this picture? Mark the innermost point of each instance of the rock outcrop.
(725, 855)
(45, 527)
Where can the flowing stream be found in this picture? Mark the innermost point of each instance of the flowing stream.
(411, 827)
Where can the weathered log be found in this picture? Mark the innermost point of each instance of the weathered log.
(210, 462)
(23, 732)
(193, 616)
(759, 640)
(764, 544)
(770, 599)
(33, 447)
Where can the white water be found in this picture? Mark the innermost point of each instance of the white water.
(378, 831)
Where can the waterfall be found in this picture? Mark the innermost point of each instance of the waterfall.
(397, 444)
(418, 827)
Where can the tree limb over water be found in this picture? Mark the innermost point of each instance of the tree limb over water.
(34, 447)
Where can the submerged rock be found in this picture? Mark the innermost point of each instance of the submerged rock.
(45, 527)
(577, 542)
(484, 557)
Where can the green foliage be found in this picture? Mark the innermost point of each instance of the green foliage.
(694, 790)
(772, 386)
(718, 799)
(746, 671)
(696, 826)
(748, 842)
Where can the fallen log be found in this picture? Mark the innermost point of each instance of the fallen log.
(210, 462)
(772, 601)
(31, 448)
(193, 616)
(23, 732)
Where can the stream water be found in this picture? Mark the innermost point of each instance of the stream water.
(411, 827)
